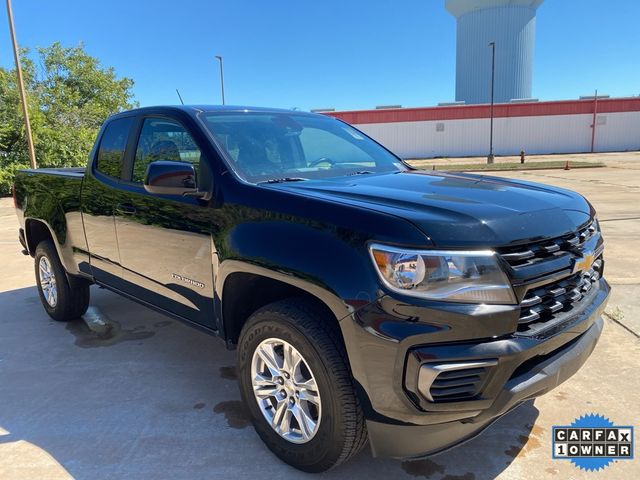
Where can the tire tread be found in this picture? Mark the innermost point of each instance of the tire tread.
(73, 293)
(327, 339)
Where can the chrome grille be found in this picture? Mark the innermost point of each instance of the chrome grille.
(544, 304)
(525, 255)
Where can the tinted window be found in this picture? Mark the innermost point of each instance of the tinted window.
(163, 139)
(319, 144)
(112, 146)
(264, 146)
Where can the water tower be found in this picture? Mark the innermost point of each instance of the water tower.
(509, 23)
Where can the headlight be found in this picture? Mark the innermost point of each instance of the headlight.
(456, 276)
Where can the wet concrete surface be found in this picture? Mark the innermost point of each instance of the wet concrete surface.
(132, 394)
(235, 412)
(98, 330)
(228, 373)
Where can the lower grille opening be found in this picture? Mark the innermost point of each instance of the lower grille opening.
(528, 365)
(446, 382)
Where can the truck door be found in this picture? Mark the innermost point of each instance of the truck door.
(165, 241)
(100, 192)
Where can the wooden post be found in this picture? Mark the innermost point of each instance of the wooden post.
(23, 96)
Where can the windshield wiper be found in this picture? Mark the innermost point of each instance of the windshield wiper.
(360, 172)
(284, 179)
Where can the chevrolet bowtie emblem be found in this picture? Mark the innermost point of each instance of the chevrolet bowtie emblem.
(584, 263)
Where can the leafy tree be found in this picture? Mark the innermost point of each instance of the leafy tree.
(70, 94)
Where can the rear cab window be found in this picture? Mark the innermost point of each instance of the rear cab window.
(110, 158)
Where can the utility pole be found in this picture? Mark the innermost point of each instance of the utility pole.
(493, 76)
(23, 96)
(221, 77)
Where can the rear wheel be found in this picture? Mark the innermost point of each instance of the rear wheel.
(64, 298)
(300, 391)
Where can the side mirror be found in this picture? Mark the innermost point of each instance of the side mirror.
(170, 178)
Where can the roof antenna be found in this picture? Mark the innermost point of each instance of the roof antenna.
(179, 96)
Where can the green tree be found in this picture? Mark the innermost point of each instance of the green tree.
(70, 94)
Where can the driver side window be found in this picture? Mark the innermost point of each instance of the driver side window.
(163, 139)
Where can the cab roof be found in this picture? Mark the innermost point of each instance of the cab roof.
(194, 109)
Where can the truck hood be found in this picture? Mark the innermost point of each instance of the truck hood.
(456, 209)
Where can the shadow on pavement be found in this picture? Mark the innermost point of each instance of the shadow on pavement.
(132, 394)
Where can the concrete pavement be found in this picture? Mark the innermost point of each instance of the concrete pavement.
(153, 399)
(614, 191)
(611, 159)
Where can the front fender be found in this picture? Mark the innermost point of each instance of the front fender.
(333, 264)
(339, 308)
(330, 264)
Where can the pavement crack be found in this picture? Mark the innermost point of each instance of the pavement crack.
(615, 320)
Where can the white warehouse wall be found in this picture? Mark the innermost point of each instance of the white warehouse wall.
(540, 134)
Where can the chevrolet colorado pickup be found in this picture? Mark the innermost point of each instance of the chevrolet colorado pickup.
(369, 302)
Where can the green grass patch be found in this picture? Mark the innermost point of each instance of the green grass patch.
(496, 167)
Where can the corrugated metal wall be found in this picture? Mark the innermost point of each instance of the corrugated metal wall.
(543, 127)
(539, 134)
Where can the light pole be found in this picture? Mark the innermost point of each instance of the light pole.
(23, 95)
(593, 122)
(493, 76)
(221, 77)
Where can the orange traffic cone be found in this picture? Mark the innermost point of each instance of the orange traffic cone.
(566, 165)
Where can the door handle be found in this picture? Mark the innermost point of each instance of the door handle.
(125, 208)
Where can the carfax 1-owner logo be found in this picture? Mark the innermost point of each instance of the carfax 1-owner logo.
(592, 442)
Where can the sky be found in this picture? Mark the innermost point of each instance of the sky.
(342, 54)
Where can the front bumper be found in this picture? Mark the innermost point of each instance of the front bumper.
(397, 339)
(404, 441)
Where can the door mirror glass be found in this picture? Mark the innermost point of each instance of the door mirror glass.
(170, 178)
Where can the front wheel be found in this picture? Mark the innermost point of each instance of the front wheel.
(64, 298)
(300, 393)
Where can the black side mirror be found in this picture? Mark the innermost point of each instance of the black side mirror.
(170, 178)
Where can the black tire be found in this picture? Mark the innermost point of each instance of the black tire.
(341, 432)
(72, 293)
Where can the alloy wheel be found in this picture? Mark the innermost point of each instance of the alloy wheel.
(48, 282)
(286, 390)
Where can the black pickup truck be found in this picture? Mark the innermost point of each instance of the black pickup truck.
(369, 301)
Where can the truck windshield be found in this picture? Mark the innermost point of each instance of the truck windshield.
(268, 146)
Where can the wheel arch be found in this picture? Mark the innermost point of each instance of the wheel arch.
(36, 231)
(244, 288)
(44, 219)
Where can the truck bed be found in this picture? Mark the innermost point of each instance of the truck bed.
(52, 196)
(66, 171)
